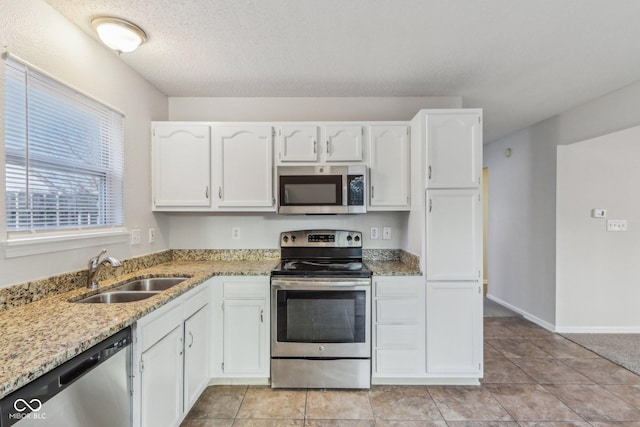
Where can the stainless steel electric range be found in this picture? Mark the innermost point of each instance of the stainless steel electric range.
(321, 312)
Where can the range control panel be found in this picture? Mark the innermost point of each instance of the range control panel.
(321, 238)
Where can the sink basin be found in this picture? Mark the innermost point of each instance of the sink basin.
(152, 284)
(117, 297)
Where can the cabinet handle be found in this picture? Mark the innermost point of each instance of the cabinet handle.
(181, 346)
(191, 335)
(430, 205)
(372, 192)
(220, 193)
(429, 171)
(328, 147)
(206, 192)
(261, 316)
(315, 147)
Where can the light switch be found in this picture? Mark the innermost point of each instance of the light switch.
(374, 233)
(598, 213)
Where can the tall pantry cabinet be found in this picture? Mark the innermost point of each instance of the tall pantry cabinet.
(453, 242)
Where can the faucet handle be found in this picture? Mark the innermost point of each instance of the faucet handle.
(93, 262)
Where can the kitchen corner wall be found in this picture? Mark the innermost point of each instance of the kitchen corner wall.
(262, 230)
(522, 210)
(39, 35)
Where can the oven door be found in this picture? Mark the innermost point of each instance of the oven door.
(320, 318)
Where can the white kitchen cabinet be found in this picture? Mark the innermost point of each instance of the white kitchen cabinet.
(181, 166)
(244, 166)
(398, 329)
(389, 167)
(343, 143)
(171, 354)
(298, 144)
(454, 144)
(453, 235)
(454, 329)
(161, 381)
(241, 329)
(196, 355)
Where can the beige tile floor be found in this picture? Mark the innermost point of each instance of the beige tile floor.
(533, 378)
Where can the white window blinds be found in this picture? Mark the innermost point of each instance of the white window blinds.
(64, 155)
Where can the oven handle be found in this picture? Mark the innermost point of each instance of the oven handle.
(313, 285)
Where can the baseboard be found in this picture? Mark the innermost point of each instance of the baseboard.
(598, 329)
(540, 322)
(239, 381)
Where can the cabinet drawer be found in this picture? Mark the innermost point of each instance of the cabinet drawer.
(154, 331)
(398, 361)
(397, 289)
(243, 290)
(390, 336)
(397, 311)
(195, 302)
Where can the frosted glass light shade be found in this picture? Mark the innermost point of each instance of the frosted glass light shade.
(118, 34)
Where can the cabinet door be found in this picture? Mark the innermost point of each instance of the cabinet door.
(454, 329)
(298, 144)
(181, 165)
(161, 379)
(245, 168)
(454, 235)
(343, 143)
(389, 167)
(196, 355)
(454, 146)
(244, 337)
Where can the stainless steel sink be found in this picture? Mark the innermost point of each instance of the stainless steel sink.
(151, 284)
(117, 297)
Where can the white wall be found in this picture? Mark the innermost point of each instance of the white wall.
(194, 231)
(522, 200)
(38, 34)
(305, 109)
(598, 273)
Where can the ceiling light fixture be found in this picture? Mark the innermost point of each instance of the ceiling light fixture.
(118, 34)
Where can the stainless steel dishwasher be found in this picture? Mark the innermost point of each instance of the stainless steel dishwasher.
(92, 389)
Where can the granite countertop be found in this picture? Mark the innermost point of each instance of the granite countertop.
(41, 335)
(392, 268)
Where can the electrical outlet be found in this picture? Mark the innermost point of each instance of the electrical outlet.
(386, 233)
(152, 235)
(374, 233)
(616, 225)
(135, 236)
(235, 233)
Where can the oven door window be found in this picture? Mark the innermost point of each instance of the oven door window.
(321, 316)
(324, 190)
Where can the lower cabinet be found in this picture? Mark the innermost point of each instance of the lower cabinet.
(454, 329)
(171, 359)
(241, 324)
(398, 312)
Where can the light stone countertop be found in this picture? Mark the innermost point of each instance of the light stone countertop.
(42, 335)
(37, 337)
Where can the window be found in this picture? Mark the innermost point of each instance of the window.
(64, 156)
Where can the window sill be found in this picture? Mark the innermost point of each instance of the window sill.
(34, 245)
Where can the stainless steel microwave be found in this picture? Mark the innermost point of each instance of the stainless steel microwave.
(322, 189)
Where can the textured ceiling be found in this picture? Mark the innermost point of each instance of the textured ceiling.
(520, 60)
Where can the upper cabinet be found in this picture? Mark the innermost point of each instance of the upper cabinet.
(320, 142)
(389, 167)
(453, 149)
(343, 143)
(297, 144)
(181, 165)
(244, 166)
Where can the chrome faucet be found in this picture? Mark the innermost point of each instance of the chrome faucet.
(95, 265)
